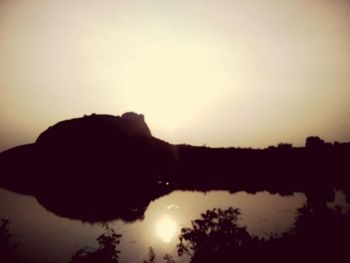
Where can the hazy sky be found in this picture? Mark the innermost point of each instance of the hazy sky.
(220, 73)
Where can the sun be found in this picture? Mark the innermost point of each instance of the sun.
(175, 80)
(166, 228)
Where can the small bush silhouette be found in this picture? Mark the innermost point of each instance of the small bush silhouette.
(7, 248)
(107, 251)
(152, 257)
(214, 237)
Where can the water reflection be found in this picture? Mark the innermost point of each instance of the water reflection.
(261, 212)
(166, 228)
(43, 235)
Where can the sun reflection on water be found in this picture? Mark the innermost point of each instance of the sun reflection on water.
(166, 228)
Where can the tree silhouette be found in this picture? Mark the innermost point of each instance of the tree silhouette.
(107, 251)
(7, 248)
(168, 258)
(284, 145)
(314, 142)
(215, 237)
(325, 233)
(318, 235)
(152, 257)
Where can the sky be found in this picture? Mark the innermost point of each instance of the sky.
(219, 73)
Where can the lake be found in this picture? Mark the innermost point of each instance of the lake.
(45, 237)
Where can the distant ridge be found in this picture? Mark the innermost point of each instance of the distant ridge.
(101, 167)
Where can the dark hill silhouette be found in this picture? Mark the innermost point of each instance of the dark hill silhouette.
(94, 168)
(101, 167)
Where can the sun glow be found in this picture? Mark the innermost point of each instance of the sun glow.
(220, 73)
(170, 79)
(166, 228)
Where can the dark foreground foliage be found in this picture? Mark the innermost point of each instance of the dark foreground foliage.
(106, 252)
(318, 235)
(7, 247)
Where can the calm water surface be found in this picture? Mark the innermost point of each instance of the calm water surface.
(45, 237)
